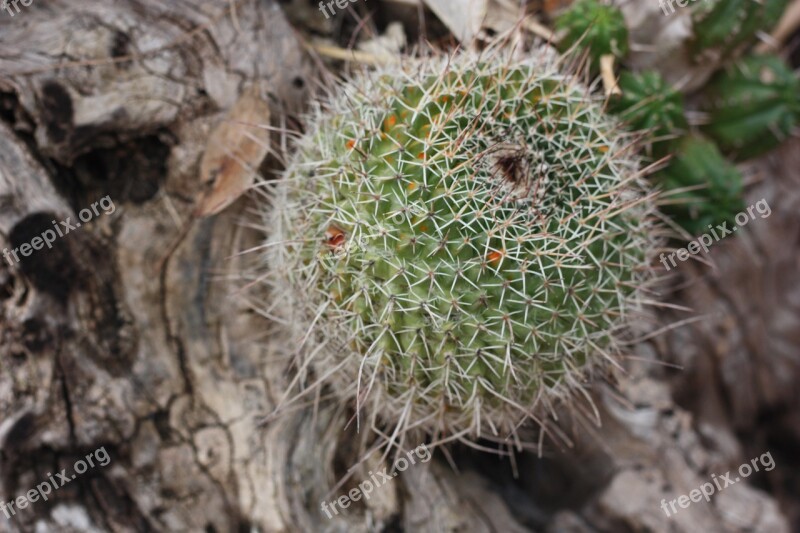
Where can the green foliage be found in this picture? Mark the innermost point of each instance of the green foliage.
(648, 104)
(724, 26)
(702, 186)
(753, 106)
(597, 28)
(459, 241)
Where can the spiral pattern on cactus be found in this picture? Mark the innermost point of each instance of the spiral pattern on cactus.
(459, 241)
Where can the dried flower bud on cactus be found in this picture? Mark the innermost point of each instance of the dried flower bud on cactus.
(597, 28)
(753, 106)
(504, 239)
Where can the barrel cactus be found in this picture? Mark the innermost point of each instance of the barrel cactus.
(753, 106)
(458, 242)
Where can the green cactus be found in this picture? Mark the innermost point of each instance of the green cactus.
(723, 27)
(753, 106)
(458, 241)
(597, 28)
(703, 187)
(648, 104)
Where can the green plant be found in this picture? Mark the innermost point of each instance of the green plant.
(702, 186)
(723, 27)
(597, 28)
(648, 104)
(753, 106)
(458, 241)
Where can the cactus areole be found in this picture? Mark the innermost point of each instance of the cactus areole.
(459, 241)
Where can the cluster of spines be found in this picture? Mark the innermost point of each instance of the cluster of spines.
(495, 241)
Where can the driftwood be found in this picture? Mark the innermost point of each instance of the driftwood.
(129, 335)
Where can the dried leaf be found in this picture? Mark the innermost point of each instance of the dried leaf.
(462, 17)
(234, 151)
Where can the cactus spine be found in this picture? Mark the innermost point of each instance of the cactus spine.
(458, 241)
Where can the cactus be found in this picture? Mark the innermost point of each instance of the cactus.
(709, 186)
(700, 185)
(753, 106)
(597, 28)
(723, 27)
(457, 241)
(648, 104)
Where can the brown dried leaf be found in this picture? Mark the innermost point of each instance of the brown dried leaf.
(234, 151)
